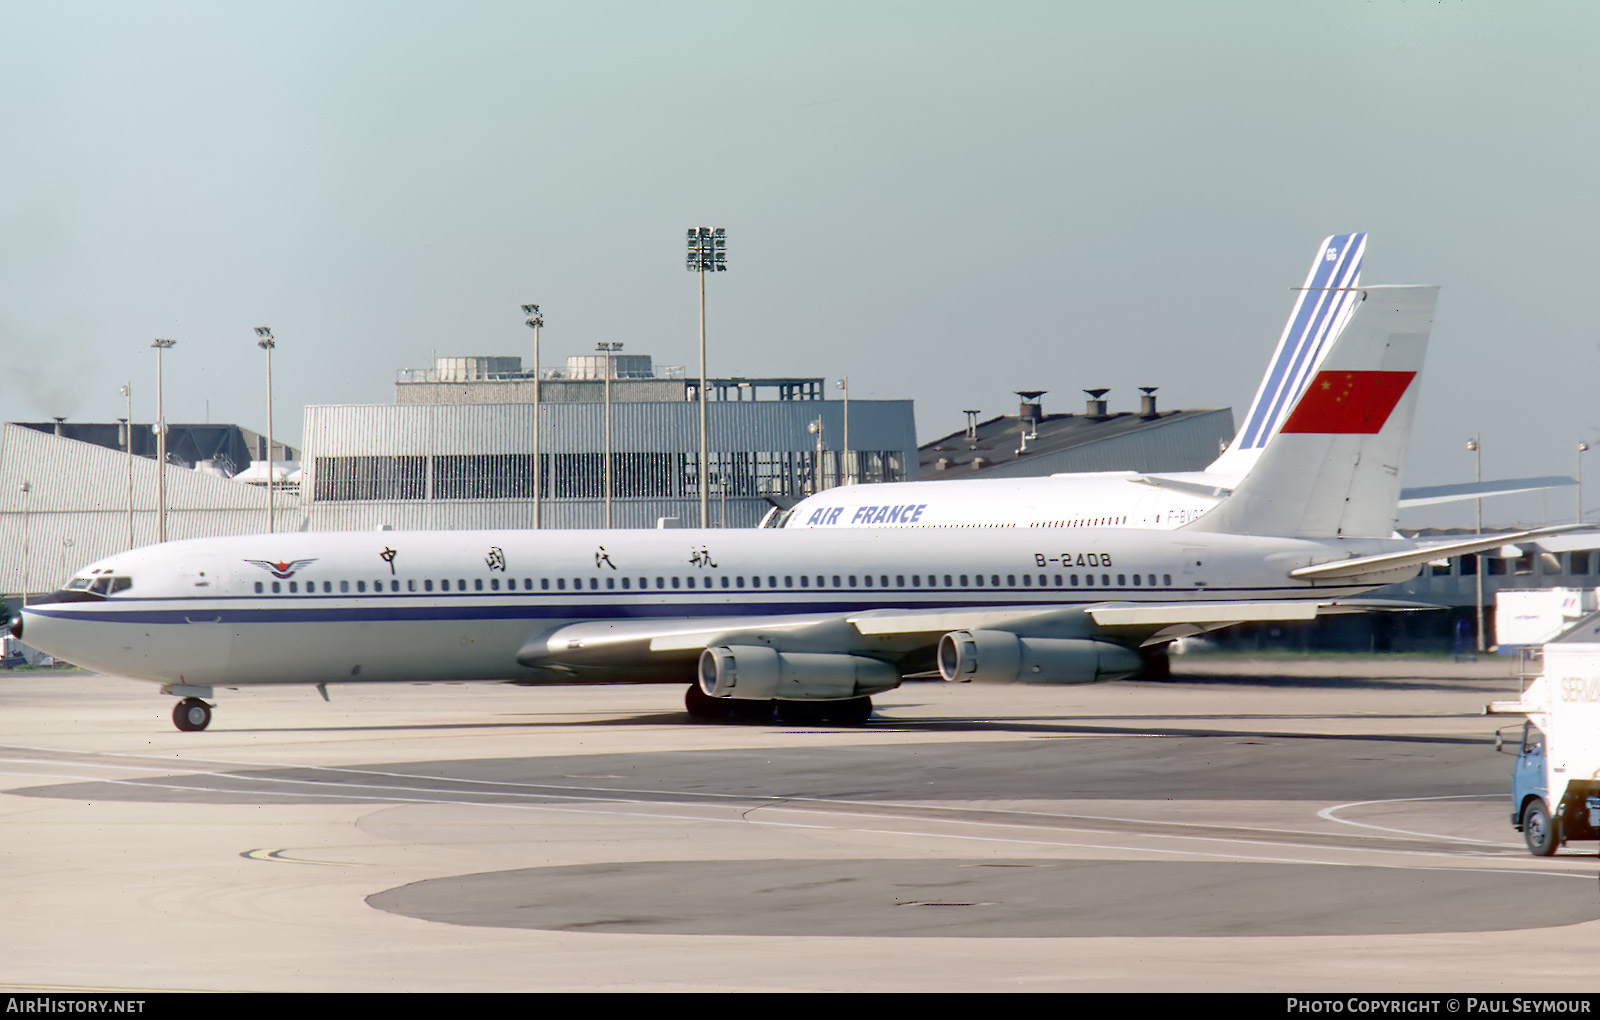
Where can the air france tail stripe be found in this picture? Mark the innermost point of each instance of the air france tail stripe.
(1348, 402)
(1330, 309)
(1317, 311)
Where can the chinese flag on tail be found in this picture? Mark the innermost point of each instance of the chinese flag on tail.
(1348, 403)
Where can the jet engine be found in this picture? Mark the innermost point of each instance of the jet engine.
(758, 673)
(1000, 657)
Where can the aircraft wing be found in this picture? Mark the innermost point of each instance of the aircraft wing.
(1428, 495)
(894, 634)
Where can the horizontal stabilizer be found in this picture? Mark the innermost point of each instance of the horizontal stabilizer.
(1427, 495)
(1415, 557)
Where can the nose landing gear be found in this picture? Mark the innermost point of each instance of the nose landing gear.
(191, 714)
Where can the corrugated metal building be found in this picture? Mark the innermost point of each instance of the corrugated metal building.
(472, 465)
(75, 507)
(1032, 443)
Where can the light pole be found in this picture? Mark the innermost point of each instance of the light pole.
(609, 350)
(1578, 516)
(708, 252)
(846, 469)
(533, 319)
(265, 342)
(127, 391)
(24, 488)
(161, 446)
(1477, 575)
(815, 428)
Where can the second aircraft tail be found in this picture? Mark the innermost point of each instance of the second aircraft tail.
(1333, 468)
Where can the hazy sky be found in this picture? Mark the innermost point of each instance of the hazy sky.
(944, 201)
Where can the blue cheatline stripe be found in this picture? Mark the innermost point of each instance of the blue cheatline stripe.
(297, 611)
(1315, 313)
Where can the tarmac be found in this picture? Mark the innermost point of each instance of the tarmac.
(1277, 824)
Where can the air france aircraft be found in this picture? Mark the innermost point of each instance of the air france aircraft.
(1128, 499)
(812, 623)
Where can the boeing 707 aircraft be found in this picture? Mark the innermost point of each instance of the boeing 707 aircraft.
(813, 623)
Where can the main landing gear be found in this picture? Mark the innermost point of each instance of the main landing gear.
(191, 714)
(846, 712)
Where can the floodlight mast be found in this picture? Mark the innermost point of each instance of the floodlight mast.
(610, 349)
(708, 251)
(533, 319)
(265, 342)
(161, 445)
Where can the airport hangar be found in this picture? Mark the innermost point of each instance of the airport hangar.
(455, 451)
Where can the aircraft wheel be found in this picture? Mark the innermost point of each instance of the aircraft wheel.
(1540, 831)
(750, 711)
(703, 706)
(854, 712)
(801, 713)
(191, 714)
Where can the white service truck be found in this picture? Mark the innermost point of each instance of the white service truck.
(1555, 784)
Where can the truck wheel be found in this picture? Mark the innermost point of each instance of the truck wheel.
(1541, 832)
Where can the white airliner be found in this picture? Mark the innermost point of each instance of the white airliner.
(1129, 499)
(801, 619)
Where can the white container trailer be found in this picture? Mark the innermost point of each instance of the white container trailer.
(1555, 785)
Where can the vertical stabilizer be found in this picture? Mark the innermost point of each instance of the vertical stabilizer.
(1320, 311)
(1333, 468)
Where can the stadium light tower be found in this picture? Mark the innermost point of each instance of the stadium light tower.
(1583, 448)
(127, 431)
(161, 445)
(708, 252)
(265, 342)
(610, 349)
(533, 319)
(1476, 449)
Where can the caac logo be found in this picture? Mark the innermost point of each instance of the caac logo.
(282, 571)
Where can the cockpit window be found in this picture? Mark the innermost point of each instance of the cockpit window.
(121, 584)
(79, 583)
(101, 586)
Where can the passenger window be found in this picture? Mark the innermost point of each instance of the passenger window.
(1122, 580)
(1027, 581)
(1088, 580)
(344, 587)
(836, 580)
(276, 587)
(294, 587)
(805, 582)
(867, 579)
(361, 587)
(852, 581)
(259, 587)
(611, 583)
(494, 583)
(1011, 580)
(1135, 580)
(411, 584)
(544, 584)
(725, 580)
(427, 584)
(1166, 579)
(980, 580)
(963, 579)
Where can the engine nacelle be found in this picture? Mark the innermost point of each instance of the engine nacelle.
(1000, 657)
(758, 673)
